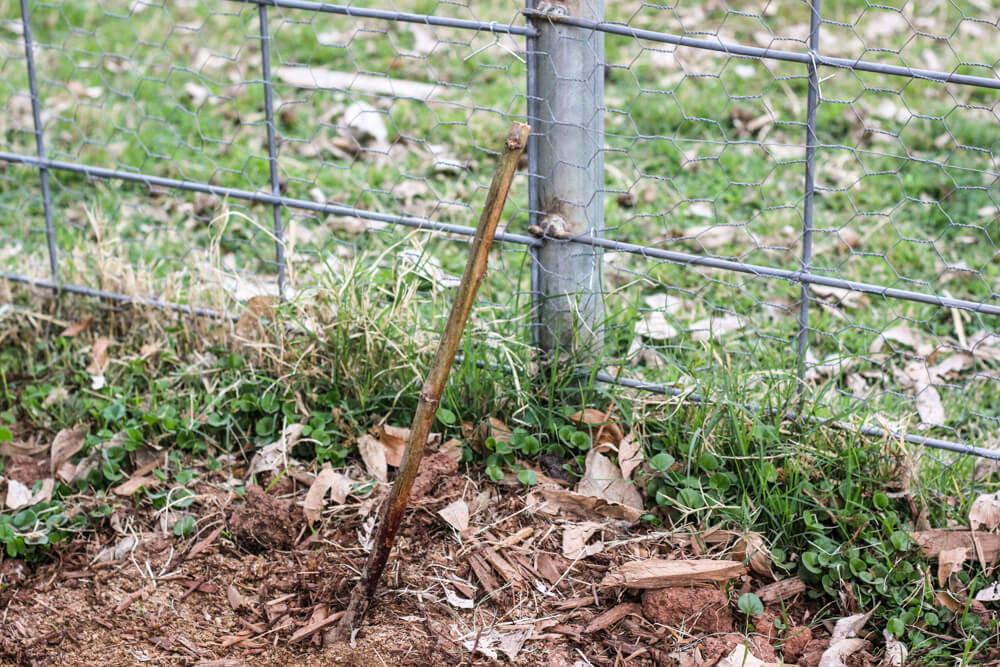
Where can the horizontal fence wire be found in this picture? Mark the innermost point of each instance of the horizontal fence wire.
(281, 95)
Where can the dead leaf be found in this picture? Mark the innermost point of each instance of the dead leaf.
(654, 326)
(716, 327)
(740, 657)
(948, 601)
(99, 356)
(985, 511)
(457, 515)
(843, 642)
(712, 237)
(66, 443)
(553, 500)
(602, 479)
(629, 455)
(840, 296)
(929, 405)
(57, 395)
(602, 429)
(489, 642)
(950, 562)
(456, 600)
(989, 594)
(365, 123)
(328, 479)
(236, 599)
(134, 483)
(373, 454)
(895, 652)
(16, 447)
(274, 457)
(148, 350)
(118, 550)
(575, 540)
(933, 542)
(750, 547)
(248, 326)
(659, 573)
(19, 495)
(77, 328)
(904, 335)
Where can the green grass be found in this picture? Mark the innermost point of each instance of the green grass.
(827, 503)
(906, 168)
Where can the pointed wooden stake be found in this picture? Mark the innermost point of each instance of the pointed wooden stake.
(391, 514)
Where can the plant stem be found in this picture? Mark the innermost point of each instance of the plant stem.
(391, 514)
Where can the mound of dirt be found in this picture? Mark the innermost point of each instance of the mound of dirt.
(704, 609)
(265, 522)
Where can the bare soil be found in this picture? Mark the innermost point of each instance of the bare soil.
(256, 586)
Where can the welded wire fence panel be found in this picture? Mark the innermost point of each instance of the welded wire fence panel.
(798, 194)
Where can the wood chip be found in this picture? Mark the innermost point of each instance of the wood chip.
(483, 572)
(612, 616)
(574, 603)
(781, 590)
(314, 627)
(656, 573)
(203, 544)
(506, 570)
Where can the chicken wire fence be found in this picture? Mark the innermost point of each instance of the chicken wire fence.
(796, 194)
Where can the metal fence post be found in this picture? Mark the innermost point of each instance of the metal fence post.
(36, 116)
(812, 102)
(569, 89)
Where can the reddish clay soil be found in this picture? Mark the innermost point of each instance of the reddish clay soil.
(256, 586)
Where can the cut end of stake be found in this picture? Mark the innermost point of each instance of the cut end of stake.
(518, 136)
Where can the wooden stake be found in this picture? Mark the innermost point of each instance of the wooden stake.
(391, 514)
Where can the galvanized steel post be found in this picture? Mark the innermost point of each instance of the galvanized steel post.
(567, 114)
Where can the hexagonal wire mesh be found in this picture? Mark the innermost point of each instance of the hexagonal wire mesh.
(799, 194)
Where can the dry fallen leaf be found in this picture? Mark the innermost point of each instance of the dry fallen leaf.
(654, 326)
(716, 327)
(985, 511)
(19, 495)
(373, 454)
(134, 483)
(99, 356)
(844, 642)
(903, 334)
(576, 537)
(236, 599)
(740, 657)
(989, 594)
(77, 328)
(750, 547)
(365, 123)
(629, 455)
(275, 456)
(16, 447)
(602, 429)
(895, 652)
(602, 479)
(929, 406)
(249, 326)
(553, 500)
(457, 515)
(950, 562)
(330, 480)
(66, 443)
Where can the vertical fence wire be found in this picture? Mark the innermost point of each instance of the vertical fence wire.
(531, 109)
(808, 201)
(36, 117)
(272, 149)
